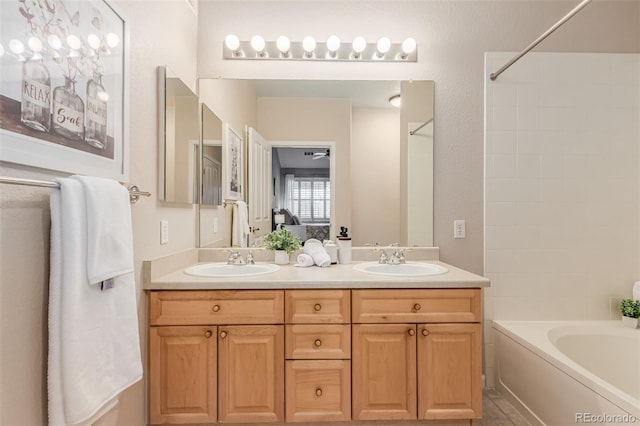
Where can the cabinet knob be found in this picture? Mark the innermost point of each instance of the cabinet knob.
(223, 334)
(425, 332)
(317, 307)
(215, 308)
(417, 307)
(318, 342)
(411, 332)
(208, 334)
(318, 392)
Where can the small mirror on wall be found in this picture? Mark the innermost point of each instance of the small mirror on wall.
(179, 144)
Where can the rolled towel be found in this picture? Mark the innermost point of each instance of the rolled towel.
(304, 261)
(314, 248)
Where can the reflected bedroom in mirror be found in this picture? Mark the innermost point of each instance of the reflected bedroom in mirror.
(329, 153)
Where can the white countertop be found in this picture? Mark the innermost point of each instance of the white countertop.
(335, 276)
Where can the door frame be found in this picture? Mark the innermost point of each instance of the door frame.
(332, 169)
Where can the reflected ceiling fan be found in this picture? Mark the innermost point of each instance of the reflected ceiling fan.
(319, 155)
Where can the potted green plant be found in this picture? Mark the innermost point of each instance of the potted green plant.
(283, 243)
(630, 310)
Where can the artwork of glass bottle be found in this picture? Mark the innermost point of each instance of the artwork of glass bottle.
(95, 133)
(35, 111)
(68, 111)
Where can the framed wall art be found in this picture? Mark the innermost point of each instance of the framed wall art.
(64, 86)
(234, 161)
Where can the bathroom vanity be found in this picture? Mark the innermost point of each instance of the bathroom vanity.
(312, 344)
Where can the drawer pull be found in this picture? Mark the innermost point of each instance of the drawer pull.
(317, 307)
(215, 308)
(318, 343)
(223, 334)
(318, 392)
(425, 332)
(411, 332)
(208, 334)
(417, 307)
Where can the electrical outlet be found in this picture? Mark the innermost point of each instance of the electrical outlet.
(164, 232)
(459, 229)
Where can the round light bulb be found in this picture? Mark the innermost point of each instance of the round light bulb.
(333, 43)
(384, 44)
(359, 44)
(257, 43)
(112, 40)
(283, 44)
(309, 44)
(16, 46)
(395, 101)
(232, 42)
(93, 41)
(34, 44)
(409, 45)
(74, 42)
(54, 41)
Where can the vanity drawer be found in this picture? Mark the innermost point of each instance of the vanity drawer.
(317, 306)
(330, 341)
(423, 305)
(318, 391)
(216, 307)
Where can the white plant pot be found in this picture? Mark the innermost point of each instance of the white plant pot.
(630, 322)
(281, 257)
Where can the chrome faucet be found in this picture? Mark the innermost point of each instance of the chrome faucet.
(235, 258)
(397, 258)
(250, 259)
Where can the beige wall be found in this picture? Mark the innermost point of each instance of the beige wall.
(452, 36)
(375, 176)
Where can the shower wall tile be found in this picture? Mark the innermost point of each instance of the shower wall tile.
(562, 187)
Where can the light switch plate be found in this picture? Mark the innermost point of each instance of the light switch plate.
(164, 232)
(459, 229)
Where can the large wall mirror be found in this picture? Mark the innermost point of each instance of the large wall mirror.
(342, 155)
(179, 133)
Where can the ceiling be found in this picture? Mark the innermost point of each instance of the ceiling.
(295, 158)
(362, 93)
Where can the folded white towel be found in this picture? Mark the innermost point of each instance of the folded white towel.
(304, 261)
(314, 248)
(109, 234)
(94, 346)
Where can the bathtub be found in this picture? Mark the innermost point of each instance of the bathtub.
(569, 372)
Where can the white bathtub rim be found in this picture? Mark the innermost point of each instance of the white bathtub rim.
(555, 357)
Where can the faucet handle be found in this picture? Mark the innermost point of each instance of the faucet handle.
(250, 260)
(383, 257)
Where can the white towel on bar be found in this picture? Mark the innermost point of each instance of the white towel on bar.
(314, 248)
(110, 240)
(94, 346)
(240, 224)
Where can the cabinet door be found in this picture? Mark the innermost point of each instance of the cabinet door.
(384, 371)
(449, 371)
(251, 374)
(182, 375)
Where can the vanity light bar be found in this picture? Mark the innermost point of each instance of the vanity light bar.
(310, 50)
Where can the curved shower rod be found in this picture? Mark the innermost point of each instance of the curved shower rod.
(537, 41)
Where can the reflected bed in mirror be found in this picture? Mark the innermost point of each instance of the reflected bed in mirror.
(179, 135)
(382, 182)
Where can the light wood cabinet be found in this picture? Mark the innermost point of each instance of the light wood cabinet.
(182, 374)
(254, 356)
(251, 373)
(417, 369)
(318, 351)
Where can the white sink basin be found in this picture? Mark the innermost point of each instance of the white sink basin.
(224, 270)
(410, 269)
